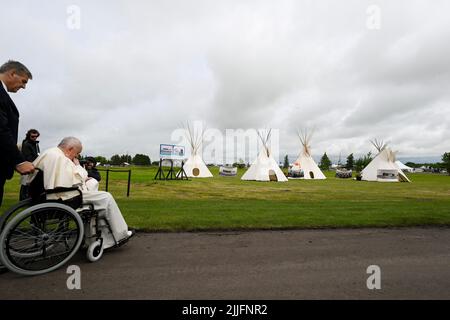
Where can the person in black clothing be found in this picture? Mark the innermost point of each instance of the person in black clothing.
(13, 77)
(91, 169)
(30, 151)
(30, 146)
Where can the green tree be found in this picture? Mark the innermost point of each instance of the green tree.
(141, 160)
(325, 162)
(412, 165)
(101, 159)
(361, 163)
(125, 158)
(446, 161)
(286, 162)
(350, 162)
(115, 160)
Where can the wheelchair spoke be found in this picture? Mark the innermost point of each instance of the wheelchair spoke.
(46, 258)
(43, 238)
(16, 243)
(42, 256)
(25, 235)
(31, 264)
(36, 228)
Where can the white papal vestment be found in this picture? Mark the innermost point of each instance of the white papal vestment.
(60, 171)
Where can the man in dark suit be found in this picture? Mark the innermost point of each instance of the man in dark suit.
(13, 77)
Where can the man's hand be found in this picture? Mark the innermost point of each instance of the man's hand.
(25, 168)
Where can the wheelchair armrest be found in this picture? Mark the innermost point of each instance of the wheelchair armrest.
(74, 202)
(62, 189)
(39, 194)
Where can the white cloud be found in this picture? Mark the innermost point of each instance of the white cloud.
(135, 71)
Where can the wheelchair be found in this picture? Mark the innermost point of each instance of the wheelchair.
(39, 235)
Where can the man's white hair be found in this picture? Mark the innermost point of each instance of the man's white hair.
(69, 142)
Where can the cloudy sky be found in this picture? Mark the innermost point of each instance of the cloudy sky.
(123, 75)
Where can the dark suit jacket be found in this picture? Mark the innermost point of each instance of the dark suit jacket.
(10, 156)
(30, 150)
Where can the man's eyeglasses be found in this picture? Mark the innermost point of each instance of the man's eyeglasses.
(34, 136)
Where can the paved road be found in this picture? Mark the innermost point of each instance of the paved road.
(300, 264)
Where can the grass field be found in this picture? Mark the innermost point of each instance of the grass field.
(227, 203)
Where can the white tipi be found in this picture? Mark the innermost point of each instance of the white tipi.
(383, 167)
(403, 166)
(264, 168)
(304, 161)
(195, 167)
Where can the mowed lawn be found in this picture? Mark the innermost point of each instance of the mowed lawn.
(228, 203)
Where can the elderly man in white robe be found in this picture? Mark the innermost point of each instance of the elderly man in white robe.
(62, 169)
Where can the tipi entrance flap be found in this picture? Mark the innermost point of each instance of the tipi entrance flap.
(195, 172)
(402, 177)
(272, 175)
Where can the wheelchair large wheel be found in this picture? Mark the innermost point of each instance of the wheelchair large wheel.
(11, 212)
(41, 238)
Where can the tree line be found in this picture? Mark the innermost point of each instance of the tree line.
(324, 164)
(362, 162)
(117, 160)
(351, 163)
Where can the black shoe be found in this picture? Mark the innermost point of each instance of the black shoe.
(131, 233)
